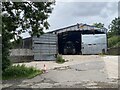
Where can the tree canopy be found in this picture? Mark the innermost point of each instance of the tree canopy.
(26, 16)
(114, 27)
(114, 33)
(98, 25)
(20, 17)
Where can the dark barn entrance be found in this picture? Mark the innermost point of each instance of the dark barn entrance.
(69, 42)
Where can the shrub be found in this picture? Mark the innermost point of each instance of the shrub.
(20, 71)
(60, 59)
(114, 41)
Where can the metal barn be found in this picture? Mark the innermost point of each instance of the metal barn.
(71, 40)
(81, 39)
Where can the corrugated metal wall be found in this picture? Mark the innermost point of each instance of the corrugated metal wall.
(45, 47)
(94, 43)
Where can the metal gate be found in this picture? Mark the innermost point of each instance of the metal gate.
(94, 43)
(45, 47)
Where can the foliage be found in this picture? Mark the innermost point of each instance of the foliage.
(114, 41)
(6, 45)
(20, 71)
(60, 59)
(20, 17)
(114, 33)
(26, 15)
(114, 27)
(98, 25)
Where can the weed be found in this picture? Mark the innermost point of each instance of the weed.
(60, 59)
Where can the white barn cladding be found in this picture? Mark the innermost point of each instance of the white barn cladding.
(71, 40)
(81, 39)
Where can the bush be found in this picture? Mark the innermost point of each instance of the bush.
(5, 62)
(114, 41)
(60, 59)
(20, 71)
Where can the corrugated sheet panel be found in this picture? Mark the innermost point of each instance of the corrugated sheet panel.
(50, 51)
(94, 44)
(45, 57)
(46, 38)
(45, 47)
(37, 47)
(49, 41)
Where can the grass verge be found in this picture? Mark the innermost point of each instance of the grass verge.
(20, 71)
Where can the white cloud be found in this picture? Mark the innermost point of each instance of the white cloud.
(69, 13)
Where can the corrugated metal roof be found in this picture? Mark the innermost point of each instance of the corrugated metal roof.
(80, 28)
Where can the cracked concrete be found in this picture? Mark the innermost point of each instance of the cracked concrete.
(79, 72)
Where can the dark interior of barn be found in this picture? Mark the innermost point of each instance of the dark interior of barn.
(69, 43)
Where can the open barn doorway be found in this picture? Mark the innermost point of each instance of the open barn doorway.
(69, 43)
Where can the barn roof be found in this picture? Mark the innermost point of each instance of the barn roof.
(78, 27)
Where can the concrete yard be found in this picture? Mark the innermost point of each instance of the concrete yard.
(80, 71)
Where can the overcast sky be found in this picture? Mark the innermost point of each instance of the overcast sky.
(70, 13)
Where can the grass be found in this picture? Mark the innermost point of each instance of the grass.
(59, 59)
(20, 71)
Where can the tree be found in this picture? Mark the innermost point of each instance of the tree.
(20, 17)
(98, 25)
(114, 27)
(114, 33)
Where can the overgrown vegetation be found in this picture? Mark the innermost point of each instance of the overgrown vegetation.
(114, 33)
(20, 71)
(60, 59)
(6, 45)
(114, 41)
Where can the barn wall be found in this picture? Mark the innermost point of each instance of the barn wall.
(20, 59)
(24, 44)
(94, 43)
(21, 55)
(45, 47)
(21, 52)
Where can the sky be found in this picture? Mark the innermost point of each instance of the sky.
(69, 12)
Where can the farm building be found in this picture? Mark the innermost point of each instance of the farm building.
(71, 40)
(81, 39)
(75, 39)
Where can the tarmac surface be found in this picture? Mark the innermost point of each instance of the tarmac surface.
(80, 71)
